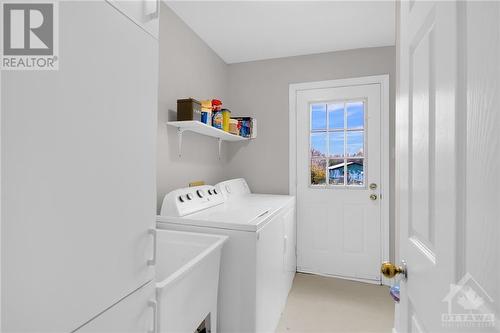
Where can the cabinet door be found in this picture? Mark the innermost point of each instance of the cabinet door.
(136, 313)
(78, 173)
(144, 13)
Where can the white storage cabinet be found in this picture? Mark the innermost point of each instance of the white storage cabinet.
(78, 178)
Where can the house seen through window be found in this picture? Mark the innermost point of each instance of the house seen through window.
(337, 144)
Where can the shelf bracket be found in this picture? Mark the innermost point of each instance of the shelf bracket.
(179, 135)
(219, 141)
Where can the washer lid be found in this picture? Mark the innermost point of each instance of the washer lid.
(247, 213)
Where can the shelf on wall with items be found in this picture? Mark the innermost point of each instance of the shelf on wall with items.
(204, 129)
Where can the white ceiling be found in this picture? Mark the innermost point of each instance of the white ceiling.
(241, 31)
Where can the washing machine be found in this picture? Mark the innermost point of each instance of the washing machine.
(258, 261)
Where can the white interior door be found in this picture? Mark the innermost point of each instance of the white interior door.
(447, 128)
(338, 163)
(426, 146)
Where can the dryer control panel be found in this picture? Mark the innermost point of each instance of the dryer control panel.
(191, 200)
(233, 187)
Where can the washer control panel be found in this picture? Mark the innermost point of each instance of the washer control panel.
(190, 200)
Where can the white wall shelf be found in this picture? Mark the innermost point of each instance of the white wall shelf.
(203, 129)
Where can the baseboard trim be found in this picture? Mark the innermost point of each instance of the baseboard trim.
(300, 270)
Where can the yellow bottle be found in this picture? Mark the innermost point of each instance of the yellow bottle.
(226, 117)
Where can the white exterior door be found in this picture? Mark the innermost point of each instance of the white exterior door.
(447, 159)
(339, 180)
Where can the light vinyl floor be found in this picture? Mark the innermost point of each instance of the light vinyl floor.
(325, 304)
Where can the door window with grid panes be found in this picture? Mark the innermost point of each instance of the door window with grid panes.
(337, 144)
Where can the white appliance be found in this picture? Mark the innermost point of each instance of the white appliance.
(258, 260)
(78, 176)
(237, 190)
(234, 188)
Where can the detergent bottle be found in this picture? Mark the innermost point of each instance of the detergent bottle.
(226, 117)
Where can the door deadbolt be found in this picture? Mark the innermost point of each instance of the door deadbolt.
(373, 186)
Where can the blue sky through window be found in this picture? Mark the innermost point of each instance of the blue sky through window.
(336, 116)
(355, 115)
(318, 118)
(355, 144)
(318, 144)
(333, 136)
(336, 144)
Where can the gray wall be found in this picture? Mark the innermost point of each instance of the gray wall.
(188, 68)
(260, 89)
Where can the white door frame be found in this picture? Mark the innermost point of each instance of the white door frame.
(383, 80)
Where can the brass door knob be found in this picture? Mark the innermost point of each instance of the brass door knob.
(389, 270)
(373, 197)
